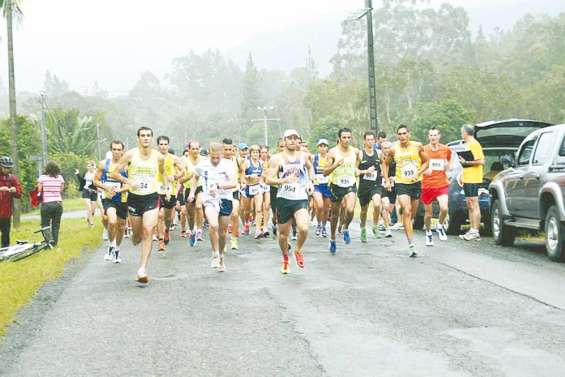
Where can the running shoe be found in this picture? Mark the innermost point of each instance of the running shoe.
(193, 240)
(472, 236)
(142, 276)
(441, 232)
(285, 268)
(167, 237)
(117, 258)
(215, 262)
(266, 233)
(109, 253)
(234, 243)
(397, 226)
(462, 236)
(429, 238)
(346, 237)
(376, 232)
(155, 238)
(258, 234)
(299, 257)
(363, 235)
(412, 251)
(324, 232)
(161, 248)
(333, 246)
(388, 233)
(199, 235)
(221, 265)
(318, 230)
(382, 227)
(182, 234)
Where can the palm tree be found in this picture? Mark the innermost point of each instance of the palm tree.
(12, 8)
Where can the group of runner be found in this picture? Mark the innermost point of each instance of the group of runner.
(222, 187)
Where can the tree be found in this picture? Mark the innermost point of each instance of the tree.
(11, 8)
(68, 131)
(251, 98)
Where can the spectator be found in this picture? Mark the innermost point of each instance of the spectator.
(50, 185)
(10, 188)
(89, 192)
(471, 179)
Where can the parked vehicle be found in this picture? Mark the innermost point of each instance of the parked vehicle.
(500, 140)
(531, 194)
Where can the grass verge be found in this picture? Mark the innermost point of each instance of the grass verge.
(69, 205)
(19, 281)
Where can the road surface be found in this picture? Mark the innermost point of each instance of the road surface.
(466, 309)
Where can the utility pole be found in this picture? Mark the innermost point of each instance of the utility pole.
(265, 121)
(44, 156)
(374, 123)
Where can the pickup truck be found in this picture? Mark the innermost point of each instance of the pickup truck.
(531, 194)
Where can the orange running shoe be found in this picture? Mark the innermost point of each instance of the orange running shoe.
(285, 268)
(299, 259)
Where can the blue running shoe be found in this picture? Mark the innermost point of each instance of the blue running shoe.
(333, 246)
(193, 239)
(346, 237)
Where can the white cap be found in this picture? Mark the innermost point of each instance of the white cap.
(290, 132)
(323, 141)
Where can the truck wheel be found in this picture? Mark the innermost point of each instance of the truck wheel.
(454, 223)
(503, 234)
(487, 226)
(554, 235)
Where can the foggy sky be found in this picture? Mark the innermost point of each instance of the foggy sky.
(114, 41)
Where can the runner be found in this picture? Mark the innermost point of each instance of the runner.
(167, 192)
(388, 199)
(181, 202)
(411, 162)
(89, 193)
(219, 180)
(293, 172)
(281, 147)
(342, 168)
(243, 154)
(253, 192)
(435, 185)
(114, 200)
(230, 154)
(322, 194)
(193, 208)
(144, 164)
(266, 191)
(370, 183)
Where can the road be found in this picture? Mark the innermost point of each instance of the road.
(465, 309)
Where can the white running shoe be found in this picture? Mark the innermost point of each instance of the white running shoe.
(388, 233)
(429, 238)
(441, 232)
(472, 236)
(221, 265)
(412, 253)
(155, 238)
(109, 254)
(215, 262)
(397, 226)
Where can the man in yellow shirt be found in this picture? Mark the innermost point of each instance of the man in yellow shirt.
(471, 179)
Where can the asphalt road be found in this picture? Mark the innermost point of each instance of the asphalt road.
(466, 309)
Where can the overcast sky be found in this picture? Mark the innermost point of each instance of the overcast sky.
(113, 41)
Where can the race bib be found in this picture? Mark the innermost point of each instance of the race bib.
(437, 164)
(115, 185)
(370, 176)
(322, 179)
(292, 191)
(409, 170)
(254, 190)
(345, 181)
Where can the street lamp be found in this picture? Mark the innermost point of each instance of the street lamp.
(368, 13)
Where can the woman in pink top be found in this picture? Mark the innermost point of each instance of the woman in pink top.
(50, 184)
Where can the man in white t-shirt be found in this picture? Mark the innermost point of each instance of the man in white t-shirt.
(218, 181)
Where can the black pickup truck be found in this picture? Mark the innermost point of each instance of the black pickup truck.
(531, 194)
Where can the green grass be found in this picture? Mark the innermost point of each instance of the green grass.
(69, 205)
(20, 281)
